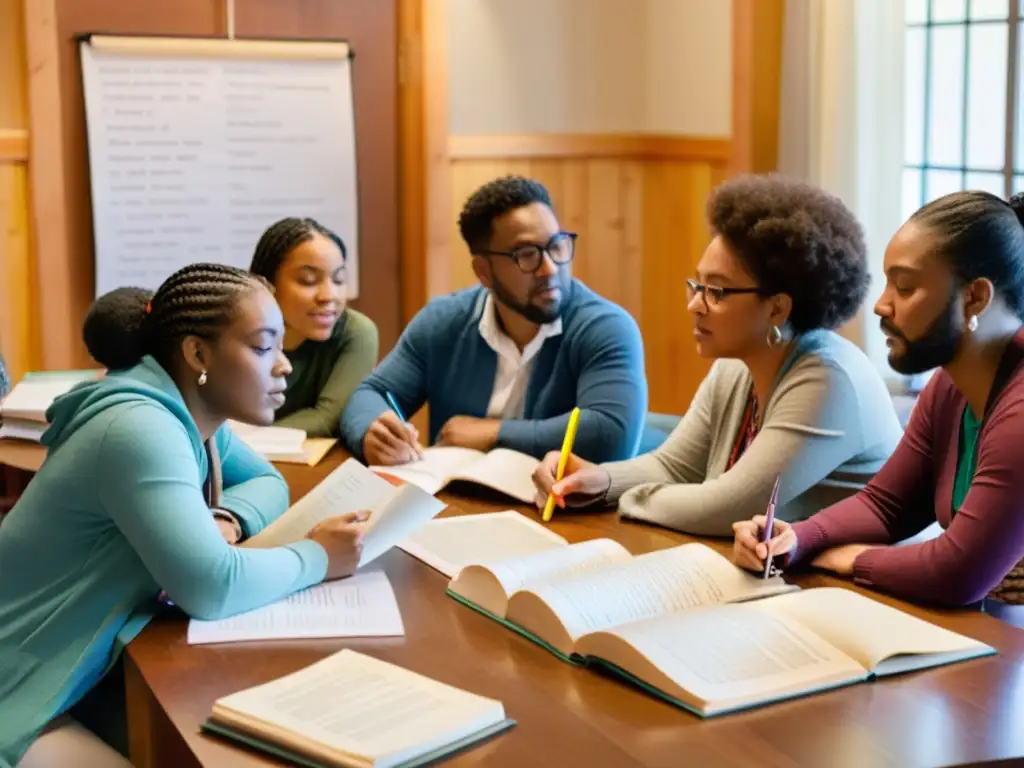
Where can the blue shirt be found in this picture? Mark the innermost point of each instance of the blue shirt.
(116, 513)
(441, 360)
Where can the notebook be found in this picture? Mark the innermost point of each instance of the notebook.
(396, 513)
(356, 711)
(448, 544)
(363, 605)
(688, 626)
(283, 444)
(508, 472)
(24, 408)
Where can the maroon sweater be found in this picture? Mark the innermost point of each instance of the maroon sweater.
(982, 542)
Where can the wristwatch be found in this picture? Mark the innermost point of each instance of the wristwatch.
(223, 514)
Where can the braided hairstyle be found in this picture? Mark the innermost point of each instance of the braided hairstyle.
(279, 240)
(198, 300)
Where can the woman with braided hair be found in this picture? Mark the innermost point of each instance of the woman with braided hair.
(139, 466)
(331, 348)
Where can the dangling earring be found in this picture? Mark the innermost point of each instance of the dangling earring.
(202, 379)
(972, 323)
(774, 336)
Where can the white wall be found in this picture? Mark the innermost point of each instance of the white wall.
(590, 66)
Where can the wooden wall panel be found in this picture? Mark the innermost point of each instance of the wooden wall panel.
(640, 217)
(17, 321)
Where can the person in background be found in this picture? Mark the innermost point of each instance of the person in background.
(5, 382)
(953, 300)
(331, 347)
(503, 364)
(143, 491)
(786, 395)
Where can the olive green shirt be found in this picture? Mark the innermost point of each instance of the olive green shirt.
(325, 373)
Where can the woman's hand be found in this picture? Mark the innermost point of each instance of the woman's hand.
(231, 532)
(342, 539)
(748, 551)
(582, 483)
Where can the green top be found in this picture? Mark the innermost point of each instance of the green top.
(967, 459)
(325, 373)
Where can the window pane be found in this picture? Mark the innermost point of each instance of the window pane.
(986, 94)
(989, 9)
(913, 97)
(911, 191)
(1018, 184)
(915, 11)
(946, 94)
(987, 182)
(949, 10)
(1018, 148)
(941, 183)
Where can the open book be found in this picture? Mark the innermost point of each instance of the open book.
(24, 408)
(557, 597)
(503, 470)
(690, 627)
(283, 444)
(396, 512)
(354, 710)
(451, 543)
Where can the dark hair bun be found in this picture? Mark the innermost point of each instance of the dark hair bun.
(1017, 204)
(115, 328)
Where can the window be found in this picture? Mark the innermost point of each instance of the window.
(963, 128)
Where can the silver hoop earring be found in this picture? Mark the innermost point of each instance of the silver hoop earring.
(972, 323)
(202, 379)
(774, 336)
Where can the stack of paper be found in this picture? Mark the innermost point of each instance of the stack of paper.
(361, 606)
(24, 409)
(282, 444)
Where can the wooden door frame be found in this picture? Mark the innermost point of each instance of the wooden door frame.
(424, 162)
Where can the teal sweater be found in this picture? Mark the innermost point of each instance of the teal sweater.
(441, 360)
(116, 513)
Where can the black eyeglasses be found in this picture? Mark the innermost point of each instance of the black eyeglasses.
(714, 294)
(561, 248)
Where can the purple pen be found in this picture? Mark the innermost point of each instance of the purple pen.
(769, 524)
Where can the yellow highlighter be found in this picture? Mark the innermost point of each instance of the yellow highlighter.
(570, 437)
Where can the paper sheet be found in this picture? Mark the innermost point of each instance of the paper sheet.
(451, 543)
(363, 605)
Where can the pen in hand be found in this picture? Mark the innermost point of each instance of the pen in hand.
(393, 404)
(766, 532)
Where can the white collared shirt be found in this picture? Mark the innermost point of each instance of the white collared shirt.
(508, 398)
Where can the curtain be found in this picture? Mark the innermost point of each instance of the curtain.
(841, 123)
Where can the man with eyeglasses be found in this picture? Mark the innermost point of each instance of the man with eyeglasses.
(503, 363)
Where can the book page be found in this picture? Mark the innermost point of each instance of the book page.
(503, 470)
(451, 543)
(363, 605)
(407, 510)
(568, 562)
(666, 581)
(359, 706)
(867, 630)
(723, 656)
(349, 488)
(33, 395)
(432, 471)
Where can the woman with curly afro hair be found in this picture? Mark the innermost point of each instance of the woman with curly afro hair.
(787, 397)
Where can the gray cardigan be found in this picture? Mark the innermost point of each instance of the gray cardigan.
(829, 425)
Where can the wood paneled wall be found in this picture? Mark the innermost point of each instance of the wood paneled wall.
(637, 203)
(18, 342)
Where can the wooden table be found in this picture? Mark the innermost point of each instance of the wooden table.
(567, 716)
